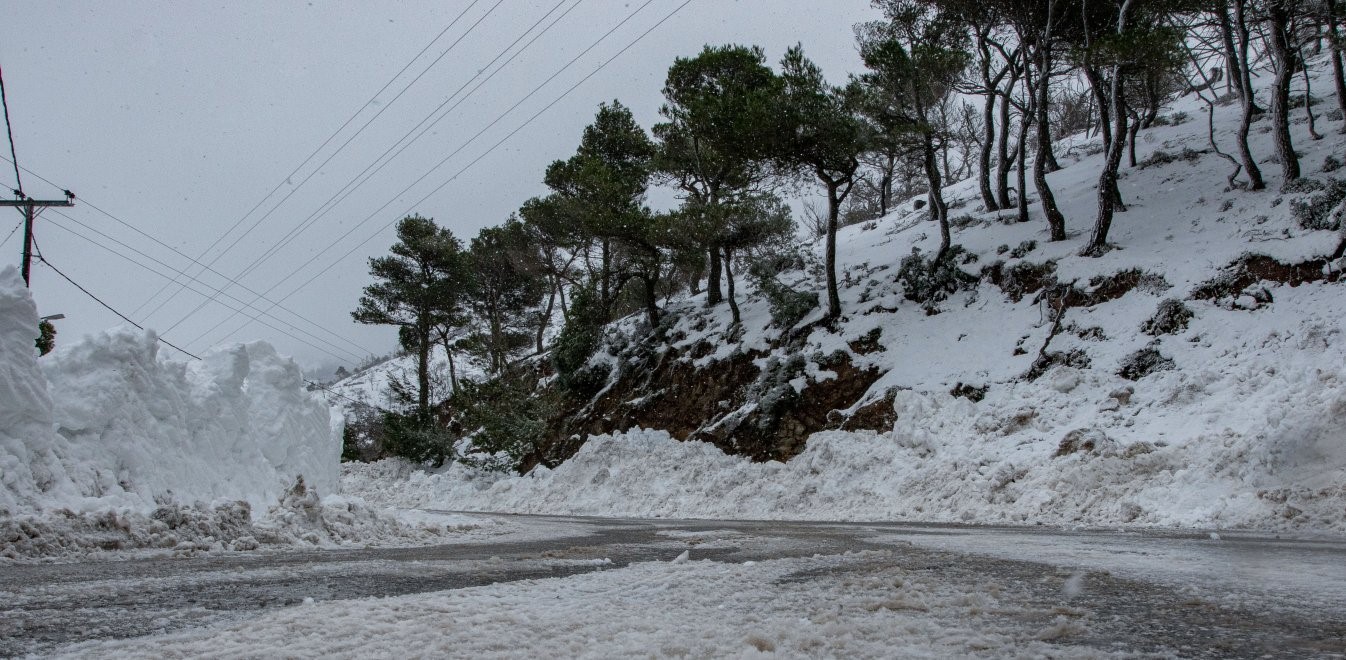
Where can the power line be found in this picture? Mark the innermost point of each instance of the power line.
(343, 396)
(380, 162)
(473, 162)
(329, 140)
(13, 231)
(193, 290)
(109, 307)
(349, 354)
(357, 181)
(4, 100)
(179, 253)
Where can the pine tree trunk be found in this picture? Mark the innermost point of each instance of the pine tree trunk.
(652, 300)
(423, 370)
(1055, 220)
(546, 316)
(1233, 70)
(1248, 102)
(830, 258)
(713, 293)
(1097, 86)
(1284, 59)
(938, 209)
(1107, 180)
(1021, 169)
(1334, 38)
(729, 283)
(984, 162)
(1003, 163)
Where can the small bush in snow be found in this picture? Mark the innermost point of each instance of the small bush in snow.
(1161, 157)
(1323, 210)
(788, 306)
(1143, 363)
(1020, 279)
(1023, 249)
(928, 283)
(1331, 163)
(1170, 318)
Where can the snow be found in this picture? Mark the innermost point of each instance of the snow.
(104, 422)
(105, 445)
(695, 608)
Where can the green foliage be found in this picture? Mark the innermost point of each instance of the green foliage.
(505, 418)
(417, 438)
(362, 439)
(46, 338)
(788, 306)
(417, 288)
(930, 283)
(578, 341)
(506, 284)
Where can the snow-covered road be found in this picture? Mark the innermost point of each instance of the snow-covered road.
(571, 587)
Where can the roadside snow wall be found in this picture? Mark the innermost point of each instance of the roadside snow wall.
(105, 422)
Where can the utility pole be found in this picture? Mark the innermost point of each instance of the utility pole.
(29, 207)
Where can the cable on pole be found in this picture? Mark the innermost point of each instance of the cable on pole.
(4, 100)
(13, 231)
(359, 348)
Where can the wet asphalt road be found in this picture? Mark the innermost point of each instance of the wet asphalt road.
(1168, 594)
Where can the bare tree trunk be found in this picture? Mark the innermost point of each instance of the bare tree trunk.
(984, 160)
(713, 295)
(1021, 167)
(729, 282)
(1002, 154)
(1097, 86)
(938, 209)
(1334, 38)
(423, 370)
(1249, 107)
(1055, 220)
(545, 320)
(1278, 20)
(833, 221)
(1308, 99)
(1234, 70)
(1107, 179)
(651, 299)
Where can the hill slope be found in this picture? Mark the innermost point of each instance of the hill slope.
(1191, 376)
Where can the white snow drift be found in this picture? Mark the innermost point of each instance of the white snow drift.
(105, 422)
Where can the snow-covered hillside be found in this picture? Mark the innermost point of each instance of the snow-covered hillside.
(1234, 417)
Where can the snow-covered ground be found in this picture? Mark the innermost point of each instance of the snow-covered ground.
(1247, 429)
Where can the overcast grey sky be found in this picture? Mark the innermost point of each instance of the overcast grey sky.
(179, 118)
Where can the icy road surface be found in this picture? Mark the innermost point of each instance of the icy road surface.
(577, 587)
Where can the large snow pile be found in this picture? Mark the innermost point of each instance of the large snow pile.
(1178, 397)
(105, 422)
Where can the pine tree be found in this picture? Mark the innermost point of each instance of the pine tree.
(417, 287)
(824, 136)
(721, 116)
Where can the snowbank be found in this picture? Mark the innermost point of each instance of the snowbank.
(1253, 435)
(106, 423)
